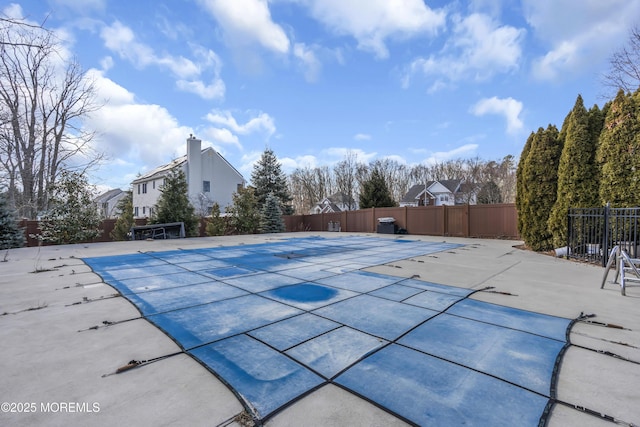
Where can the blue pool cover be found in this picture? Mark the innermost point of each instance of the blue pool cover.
(276, 321)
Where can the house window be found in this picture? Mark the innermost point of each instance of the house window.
(239, 187)
(138, 188)
(135, 211)
(206, 186)
(154, 184)
(144, 210)
(144, 188)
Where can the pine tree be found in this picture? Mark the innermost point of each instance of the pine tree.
(375, 192)
(619, 152)
(217, 225)
(11, 236)
(174, 205)
(73, 216)
(541, 186)
(577, 172)
(271, 216)
(244, 213)
(125, 219)
(521, 187)
(267, 177)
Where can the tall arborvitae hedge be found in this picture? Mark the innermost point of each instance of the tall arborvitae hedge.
(619, 152)
(540, 173)
(577, 172)
(521, 199)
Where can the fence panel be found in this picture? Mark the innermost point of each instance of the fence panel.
(426, 220)
(592, 232)
(493, 221)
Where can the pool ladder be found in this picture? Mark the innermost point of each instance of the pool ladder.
(627, 269)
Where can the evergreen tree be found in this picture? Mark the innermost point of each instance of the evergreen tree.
(577, 172)
(73, 217)
(267, 177)
(375, 192)
(541, 186)
(271, 216)
(125, 219)
(521, 187)
(619, 152)
(11, 236)
(244, 213)
(174, 205)
(489, 194)
(217, 225)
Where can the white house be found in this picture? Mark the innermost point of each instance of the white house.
(210, 179)
(107, 203)
(438, 193)
(337, 202)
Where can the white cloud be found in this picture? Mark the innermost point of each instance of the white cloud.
(442, 156)
(372, 22)
(578, 37)
(262, 122)
(362, 137)
(247, 22)
(135, 137)
(121, 40)
(309, 61)
(478, 49)
(507, 107)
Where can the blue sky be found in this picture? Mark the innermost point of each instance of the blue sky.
(417, 81)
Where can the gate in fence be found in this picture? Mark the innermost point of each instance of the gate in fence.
(593, 232)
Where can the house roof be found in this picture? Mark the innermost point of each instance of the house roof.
(108, 195)
(415, 192)
(163, 170)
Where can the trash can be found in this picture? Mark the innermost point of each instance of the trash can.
(386, 225)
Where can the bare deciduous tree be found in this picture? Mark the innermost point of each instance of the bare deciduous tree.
(43, 98)
(624, 65)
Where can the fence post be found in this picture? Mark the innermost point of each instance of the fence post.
(445, 221)
(605, 234)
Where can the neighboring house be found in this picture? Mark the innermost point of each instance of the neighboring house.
(107, 203)
(438, 193)
(210, 179)
(337, 202)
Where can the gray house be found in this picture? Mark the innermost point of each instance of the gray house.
(210, 178)
(438, 193)
(107, 203)
(337, 202)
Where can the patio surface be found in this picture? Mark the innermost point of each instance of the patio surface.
(314, 329)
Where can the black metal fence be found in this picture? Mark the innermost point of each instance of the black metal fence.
(592, 232)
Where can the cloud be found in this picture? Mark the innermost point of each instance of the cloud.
(577, 37)
(442, 156)
(362, 137)
(262, 122)
(308, 60)
(478, 48)
(507, 107)
(121, 40)
(372, 22)
(248, 22)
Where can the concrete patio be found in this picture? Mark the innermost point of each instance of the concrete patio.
(57, 367)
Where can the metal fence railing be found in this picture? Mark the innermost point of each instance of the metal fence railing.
(593, 232)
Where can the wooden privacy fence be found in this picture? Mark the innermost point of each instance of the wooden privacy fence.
(483, 221)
